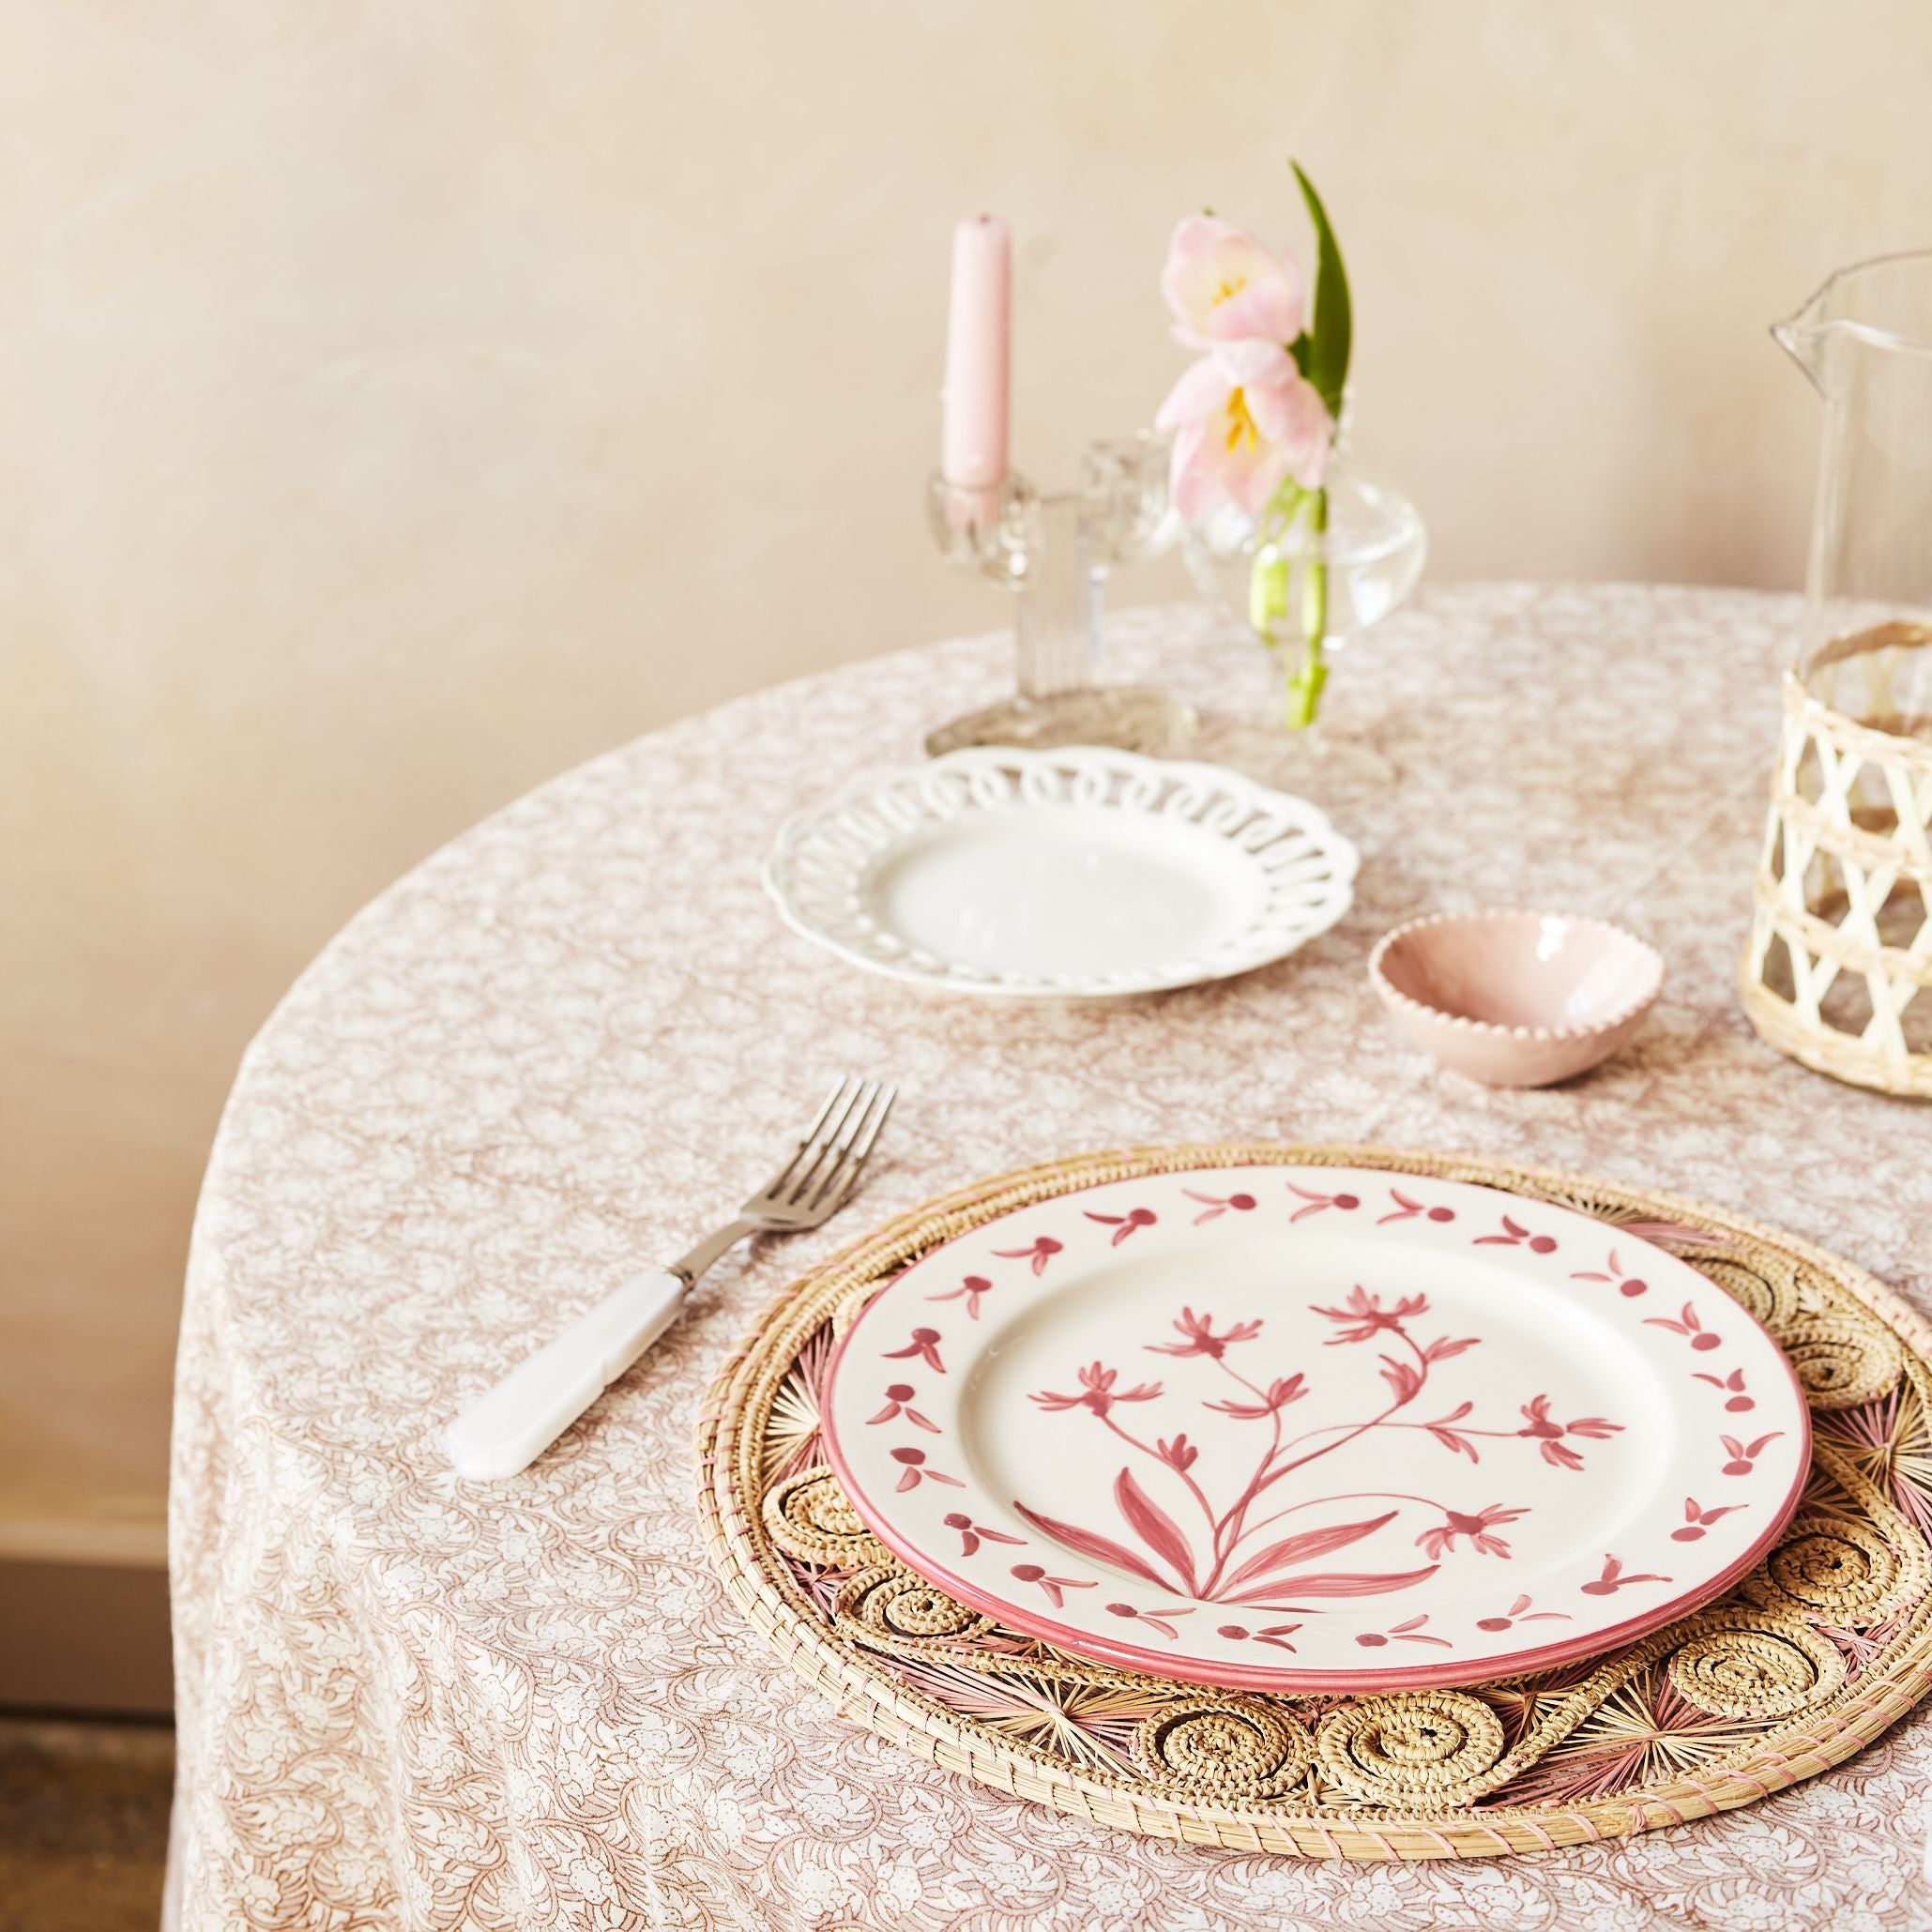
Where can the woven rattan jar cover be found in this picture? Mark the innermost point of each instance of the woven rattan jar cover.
(1841, 933)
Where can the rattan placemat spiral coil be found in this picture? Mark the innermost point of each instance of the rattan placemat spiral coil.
(1816, 1652)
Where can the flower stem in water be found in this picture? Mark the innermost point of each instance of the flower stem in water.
(1304, 693)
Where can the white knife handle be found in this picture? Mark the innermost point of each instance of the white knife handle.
(508, 1428)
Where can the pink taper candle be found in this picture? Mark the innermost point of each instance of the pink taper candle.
(978, 338)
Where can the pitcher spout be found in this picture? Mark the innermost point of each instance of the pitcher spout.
(1803, 333)
(1802, 342)
(1883, 305)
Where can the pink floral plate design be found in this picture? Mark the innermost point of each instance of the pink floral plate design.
(1316, 1428)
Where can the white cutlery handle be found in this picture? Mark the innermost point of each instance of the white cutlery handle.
(508, 1428)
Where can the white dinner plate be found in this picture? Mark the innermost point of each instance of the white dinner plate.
(1316, 1428)
(1082, 872)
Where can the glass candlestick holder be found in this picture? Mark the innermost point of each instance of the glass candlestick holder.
(1052, 552)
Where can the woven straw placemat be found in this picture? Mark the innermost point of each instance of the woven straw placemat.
(1811, 1655)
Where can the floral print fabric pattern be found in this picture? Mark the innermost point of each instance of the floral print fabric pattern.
(554, 1051)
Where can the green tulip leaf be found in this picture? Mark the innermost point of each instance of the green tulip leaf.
(1321, 353)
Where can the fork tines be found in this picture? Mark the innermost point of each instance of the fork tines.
(835, 1146)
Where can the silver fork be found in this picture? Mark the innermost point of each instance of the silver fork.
(509, 1426)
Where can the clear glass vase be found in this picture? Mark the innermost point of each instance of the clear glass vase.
(1374, 548)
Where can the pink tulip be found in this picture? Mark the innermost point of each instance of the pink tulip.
(1244, 419)
(1224, 286)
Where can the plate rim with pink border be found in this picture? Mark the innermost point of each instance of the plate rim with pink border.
(1525, 1230)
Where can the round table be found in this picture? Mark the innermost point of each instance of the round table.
(564, 1045)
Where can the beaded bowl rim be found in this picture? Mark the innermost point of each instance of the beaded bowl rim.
(1498, 1029)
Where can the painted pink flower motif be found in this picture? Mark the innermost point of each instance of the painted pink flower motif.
(1039, 1253)
(1549, 1435)
(1514, 1235)
(1153, 1619)
(1101, 1393)
(1613, 1579)
(1363, 1317)
(1243, 419)
(1407, 1209)
(1738, 1403)
(1520, 1612)
(1627, 1284)
(972, 1534)
(1216, 1556)
(1743, 1454)
(1344, 1203)
(1055, 1587)
(1443, 1429)
(1223, 285)
(972, 1288)
(1696, 1519)
(1282, 1391)
(1124, 1225)
(897, 1403)
(1404, 1378)
(1198, 1336)
(925, 1344)
(914, 1471)
(1687, 1324)
(1477, 1528)
(1216, 1204)
(1092, 1545)
(1276, 1636)
(1271, 1580)
(1157, 1531)
(1408, 1631)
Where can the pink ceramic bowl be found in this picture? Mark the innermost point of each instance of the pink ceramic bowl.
(1515, 998)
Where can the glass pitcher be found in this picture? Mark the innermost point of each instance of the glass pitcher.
(1866, 340)
(1837, 971)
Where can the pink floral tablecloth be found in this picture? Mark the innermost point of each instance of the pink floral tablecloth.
(560, 1046)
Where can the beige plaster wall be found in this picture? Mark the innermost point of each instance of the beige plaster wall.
(401, 399)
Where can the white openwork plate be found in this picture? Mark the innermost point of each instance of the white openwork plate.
(1075, 874)
(1316, 1428)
